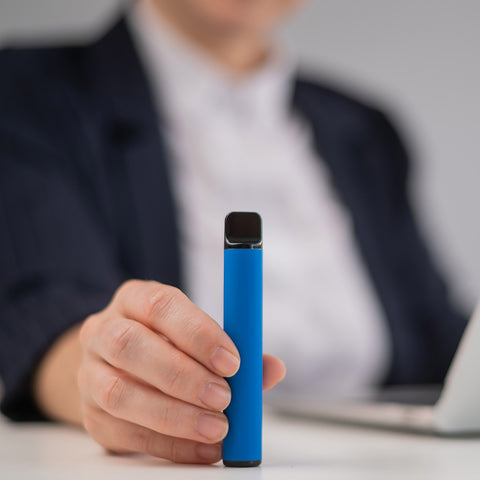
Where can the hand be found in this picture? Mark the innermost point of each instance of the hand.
(152, 375)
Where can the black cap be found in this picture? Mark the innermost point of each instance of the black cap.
(243, 230)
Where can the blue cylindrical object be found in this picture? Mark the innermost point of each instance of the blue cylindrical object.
(243, 277)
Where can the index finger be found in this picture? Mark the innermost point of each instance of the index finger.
(168, 311)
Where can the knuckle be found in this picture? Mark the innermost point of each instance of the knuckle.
(177, 374)
(162, 298)
(126, 287)
(175, 451)
(122, 341)
(163, 419)
(143, 441)
(112, 394)
(130, 284)
(168, 418)
(196, 328)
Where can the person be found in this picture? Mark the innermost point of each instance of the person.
(118, 162)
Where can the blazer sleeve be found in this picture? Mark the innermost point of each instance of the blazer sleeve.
(57, 264)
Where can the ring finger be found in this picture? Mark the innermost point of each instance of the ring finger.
(123, 397)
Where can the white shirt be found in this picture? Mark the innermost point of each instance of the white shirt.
(236, 146)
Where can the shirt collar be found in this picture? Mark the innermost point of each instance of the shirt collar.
(188, 83)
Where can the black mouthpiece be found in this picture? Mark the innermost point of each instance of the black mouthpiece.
(243, 230)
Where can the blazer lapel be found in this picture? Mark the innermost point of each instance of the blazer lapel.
(341, 149)
(340, 152)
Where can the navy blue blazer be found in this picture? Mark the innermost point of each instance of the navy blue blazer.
(86, 203)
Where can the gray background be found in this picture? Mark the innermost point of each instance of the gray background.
(418, 58)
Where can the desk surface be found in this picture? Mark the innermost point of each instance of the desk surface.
(293, 449)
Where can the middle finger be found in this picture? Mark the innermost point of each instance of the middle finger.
(137, 350)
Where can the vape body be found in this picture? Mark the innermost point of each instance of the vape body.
(243, 275)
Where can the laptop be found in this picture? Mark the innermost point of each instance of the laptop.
(451, 409)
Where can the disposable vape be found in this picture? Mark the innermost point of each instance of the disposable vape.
(243, 278)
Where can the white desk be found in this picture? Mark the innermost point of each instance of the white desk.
(293, 449)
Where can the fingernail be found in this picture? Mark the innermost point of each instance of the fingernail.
(209, 453)
(225, 362)
(215, 396)
(212, 427)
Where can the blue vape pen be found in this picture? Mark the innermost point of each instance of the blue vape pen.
(242, 317)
